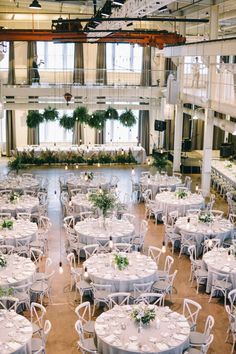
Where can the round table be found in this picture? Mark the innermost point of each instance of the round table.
(26, 203)
(218, 260)
(81, 203)
(15, 333)
(157, 181)
(169, 201)
(102, 270)
(19, 184)
(220, 228)
(18, 271)
(80, 182)
(117, 333)
(91, 230)
(20, 229)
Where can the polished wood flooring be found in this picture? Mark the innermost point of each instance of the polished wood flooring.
(62, 339)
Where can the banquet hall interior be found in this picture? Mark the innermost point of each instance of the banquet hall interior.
(117, 176)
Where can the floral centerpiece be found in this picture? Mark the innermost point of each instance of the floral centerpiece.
(143, 313)
(206, 218)
(181, 194)
(7, 224)
(6, 292)
(3, 260)
(103, 200)
(14, 197)
(121, 261)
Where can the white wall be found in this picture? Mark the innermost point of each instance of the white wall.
(21, 128)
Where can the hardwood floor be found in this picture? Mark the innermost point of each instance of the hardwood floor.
(62, 339)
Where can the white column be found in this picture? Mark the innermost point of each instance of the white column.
(226, 137)
(178, 137)
(207, 150)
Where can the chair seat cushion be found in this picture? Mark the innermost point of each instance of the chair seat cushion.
(88, 343)
(89, 326)
(197, 338)
(193, 351)
(222, 284)
(160, 285)
(83, 285)
(36, 344)
(39, 287)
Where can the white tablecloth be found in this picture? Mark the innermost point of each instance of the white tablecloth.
(19, 183)
(117, 333)
(221, 228)
(18, 271)
(102, 270)
(15, 333)
(92, 229)
(218, 260)
(228, 173)
(157, 181)
(80, 182)
(21, 229)
(81, 203)
(90, 150)
(168, 201)
(26, 203)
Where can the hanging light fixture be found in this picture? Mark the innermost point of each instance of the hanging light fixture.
(35, 5)
(68, 97)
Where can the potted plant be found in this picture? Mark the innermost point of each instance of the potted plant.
(111, 113)
(34, 118)
(160, 160)
(81, 115)
(97, 120)
(127, 118)
(67, 122)
(50, 114)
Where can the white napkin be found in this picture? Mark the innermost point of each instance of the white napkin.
(111, 338)
(26, 330)
(162, 346)
(13, 345)
(179, 336)
(11, 280)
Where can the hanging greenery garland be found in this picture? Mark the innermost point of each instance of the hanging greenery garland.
(127, 118)
(34, 118)
(97, 120)
(111, 113)
(50, 114)
(67, 122)
(81, 115)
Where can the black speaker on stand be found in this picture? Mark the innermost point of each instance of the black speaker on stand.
(160, 125)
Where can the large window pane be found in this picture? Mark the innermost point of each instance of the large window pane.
(52, 132)
(124, 57)
(116, 132)
(56, 56)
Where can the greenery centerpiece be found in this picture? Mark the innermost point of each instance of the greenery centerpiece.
(121, 261)
(14, 197)
(3, 260)
(181, 194)
(143, 313)
(103, 200)
(7, 224)
(6, 292)
(205, 218)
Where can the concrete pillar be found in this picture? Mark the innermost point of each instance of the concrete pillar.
(178, 137)
(226, 137)
(207, 150)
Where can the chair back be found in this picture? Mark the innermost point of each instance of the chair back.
(191, 311)
(90, 250)
(205, 347)
(23, 216)
(83, 311)
(84, 215)
(37, 313)
(128, 217)
(6, 249)
(218, 214)
(209, 325)
(46, 329)
(140, 288)
(8, 303)
(151, 298)
(155, 253)
(69, 222)
(5, 216)
(75, 191)
(168, 263)
(232, 300)
(79, 329)
(121, 298)
(123, 247)
(71, 260)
